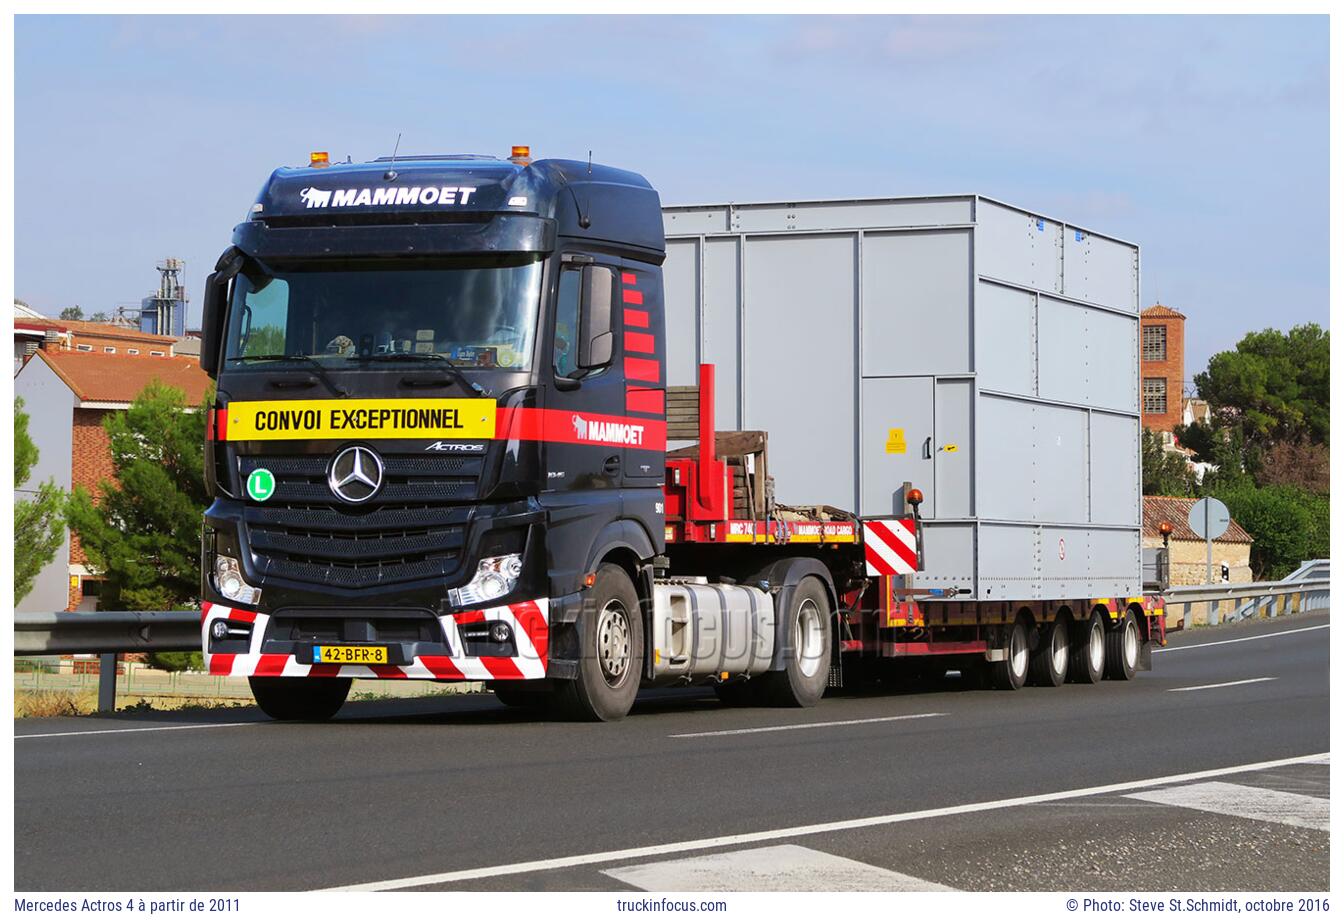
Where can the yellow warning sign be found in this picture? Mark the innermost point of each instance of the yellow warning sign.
(895, 440)
(295, 419)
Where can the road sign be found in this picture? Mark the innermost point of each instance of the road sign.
(1209, 518)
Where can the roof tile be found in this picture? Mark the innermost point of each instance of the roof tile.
(98, 377)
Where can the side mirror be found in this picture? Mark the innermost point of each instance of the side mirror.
(596, 339)
(214, 309)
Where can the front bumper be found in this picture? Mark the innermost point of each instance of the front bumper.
(264, 655)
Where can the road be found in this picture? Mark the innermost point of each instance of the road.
(1162, 783)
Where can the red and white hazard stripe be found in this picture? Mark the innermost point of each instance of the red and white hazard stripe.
(889, 547)
(528, 619)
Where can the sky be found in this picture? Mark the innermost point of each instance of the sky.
(1202, 138)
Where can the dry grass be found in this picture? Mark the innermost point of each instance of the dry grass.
(40, 704)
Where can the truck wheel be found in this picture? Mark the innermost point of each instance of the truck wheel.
(300, 699)
(1050, 662)
(520, 694)
(610, 633)
(1089, 650)
(1011, 673)
(807, 666)
(1122, 649)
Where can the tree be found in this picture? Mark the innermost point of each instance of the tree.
(143, 534)
(39, 523)
(1164, 473)
(1274, 386)
(72, 313)
(99, 317)
(1297, 463)
(1288, 525)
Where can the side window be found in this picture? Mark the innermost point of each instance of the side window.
(265, 317)
(567, 323)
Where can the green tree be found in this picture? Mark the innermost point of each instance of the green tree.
(72, 313)
(39, 522)
(1274, 386)
(99, 317)
(1164, 473)
(1288, 525)
(143, 534)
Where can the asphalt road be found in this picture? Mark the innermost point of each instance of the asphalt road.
(1110, 787)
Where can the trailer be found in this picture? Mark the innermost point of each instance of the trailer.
(550, 459)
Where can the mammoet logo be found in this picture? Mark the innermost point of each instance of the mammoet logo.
(387, 195)
(601, 432)
(580, 427)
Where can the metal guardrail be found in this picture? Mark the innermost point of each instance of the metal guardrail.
(1267, 598)
(1310, 570)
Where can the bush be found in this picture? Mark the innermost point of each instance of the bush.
(177, 661)
(1288, 525)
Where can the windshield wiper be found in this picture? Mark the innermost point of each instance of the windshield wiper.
(448, 365)
(310, 360)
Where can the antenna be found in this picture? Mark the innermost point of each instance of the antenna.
(392, 169)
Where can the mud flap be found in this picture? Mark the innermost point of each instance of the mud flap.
(1146, 656)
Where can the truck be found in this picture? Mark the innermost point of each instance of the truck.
(467, 428)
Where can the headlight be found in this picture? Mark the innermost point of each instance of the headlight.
(495, 577)
(229, 580)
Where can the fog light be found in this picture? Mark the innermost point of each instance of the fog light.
(219, 629)
(500, 633)
(230, 582)
(495, 577)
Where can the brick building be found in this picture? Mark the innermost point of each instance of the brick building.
(1162, 364)
(67, 395)
(87, 337)
(1189, 554)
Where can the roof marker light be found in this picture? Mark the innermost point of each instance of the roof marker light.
(318, 159)
(520, 154)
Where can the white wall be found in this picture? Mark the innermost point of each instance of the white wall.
(51, 407)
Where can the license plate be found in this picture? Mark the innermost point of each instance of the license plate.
(349, 654)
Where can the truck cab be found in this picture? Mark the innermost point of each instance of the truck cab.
(439, 421)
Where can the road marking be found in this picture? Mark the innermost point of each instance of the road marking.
(1230, 683)
(787, 867)
(1273, 635)
(122, 731)
(804, 830)
(1246, 802)
(790, 728)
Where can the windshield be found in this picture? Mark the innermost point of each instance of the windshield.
(480, 314)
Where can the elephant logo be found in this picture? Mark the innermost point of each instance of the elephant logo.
(580, 427)
(315, 197)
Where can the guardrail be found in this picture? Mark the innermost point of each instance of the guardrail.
(1265, 598)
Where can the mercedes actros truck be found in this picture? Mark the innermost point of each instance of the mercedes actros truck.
(459, 436)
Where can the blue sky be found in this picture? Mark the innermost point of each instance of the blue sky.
(1204, 139)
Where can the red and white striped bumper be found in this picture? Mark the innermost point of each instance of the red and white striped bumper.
(527, 618)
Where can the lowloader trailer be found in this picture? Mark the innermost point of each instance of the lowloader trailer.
(465, 430)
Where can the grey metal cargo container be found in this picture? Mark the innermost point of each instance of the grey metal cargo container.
(987, 354)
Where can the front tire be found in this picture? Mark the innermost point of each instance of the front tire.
(1011, 673)
(807, 662)
(610, 634)
(1122, 649)
(300, 699)
(1088, 656)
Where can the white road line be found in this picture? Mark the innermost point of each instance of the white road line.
(803, 830)
(1230, 683)
(122, 731)
(1273, 635)
(787, 867)
(790, 728)
(1246, 802)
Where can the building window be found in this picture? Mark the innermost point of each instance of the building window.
(1154, 396)
(156, 354)
(1154, 343)
(83, 348)
(109, 350)
(132, 351)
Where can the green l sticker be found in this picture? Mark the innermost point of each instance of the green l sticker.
(260, 484)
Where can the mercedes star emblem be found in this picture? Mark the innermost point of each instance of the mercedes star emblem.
(355, 474)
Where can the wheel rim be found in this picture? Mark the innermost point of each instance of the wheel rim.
(1018, 650)
(1059, 649)
(1131, 644)
(1096, 646)
(613, 643)
(809, 633)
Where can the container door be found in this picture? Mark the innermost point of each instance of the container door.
(897, 442)
(952, 450)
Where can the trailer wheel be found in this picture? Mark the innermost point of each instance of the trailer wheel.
(1089, 650)
(1011, 673)
(300, 699)
(807, 667)
(1122, 649)
(610, 634)
(1050, 662)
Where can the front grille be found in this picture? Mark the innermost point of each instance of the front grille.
(413, 528)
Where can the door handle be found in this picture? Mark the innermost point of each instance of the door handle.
(612, 465)
(928, 448)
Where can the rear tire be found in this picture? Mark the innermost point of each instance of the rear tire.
(1088, 654)
(1011, 673)
(300, 699)
(610, 639)
(1122, 649)
(1050, 662)
(807, 665)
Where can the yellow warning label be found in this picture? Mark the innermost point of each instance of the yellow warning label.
(895, 440)
(294, 419)
(949, 448)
